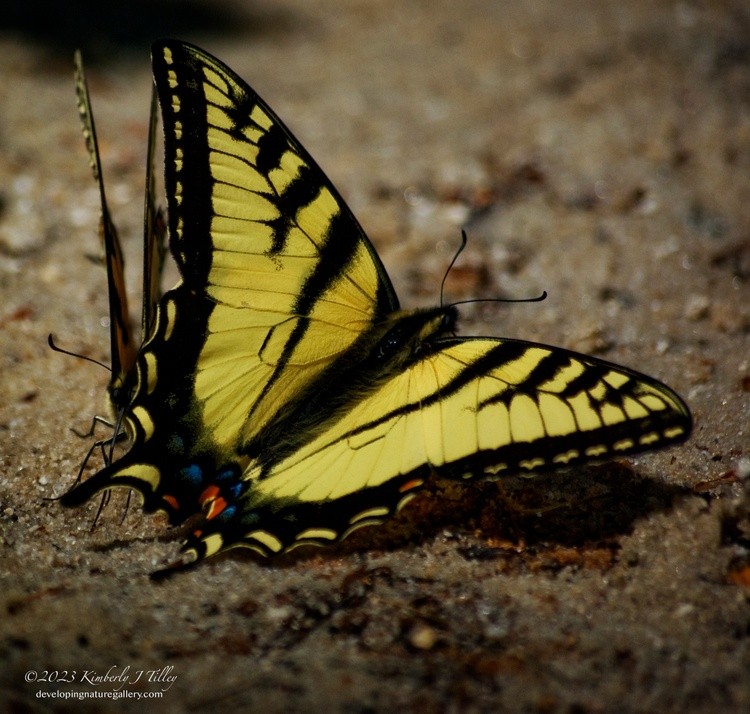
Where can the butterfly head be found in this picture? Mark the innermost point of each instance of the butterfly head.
(407, 333)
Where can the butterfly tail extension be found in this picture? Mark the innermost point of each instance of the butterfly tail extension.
(143, 478)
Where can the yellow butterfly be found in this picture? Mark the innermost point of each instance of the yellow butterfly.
(282, 392)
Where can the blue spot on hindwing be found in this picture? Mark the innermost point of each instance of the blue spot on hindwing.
(192, 473)
(227, 473)
(227, 513)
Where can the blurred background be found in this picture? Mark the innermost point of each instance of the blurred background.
(598, 150)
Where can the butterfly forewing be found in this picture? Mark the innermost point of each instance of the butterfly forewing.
(263, 235)
(122, 341)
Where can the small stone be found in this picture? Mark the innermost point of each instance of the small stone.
(423, 637)
(696, 307)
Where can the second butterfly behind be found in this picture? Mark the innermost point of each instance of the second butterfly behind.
(281, 391)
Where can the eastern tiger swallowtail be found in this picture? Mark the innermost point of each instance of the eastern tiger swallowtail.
(281, 391)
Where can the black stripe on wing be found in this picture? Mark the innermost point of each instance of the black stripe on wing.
(188, 187)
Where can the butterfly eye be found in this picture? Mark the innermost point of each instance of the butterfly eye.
(391, 344)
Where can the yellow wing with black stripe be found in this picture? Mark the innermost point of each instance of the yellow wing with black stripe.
(283, 393)
(465, 408)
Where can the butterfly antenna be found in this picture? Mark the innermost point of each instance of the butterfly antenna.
(55, 348)
(460, 250)
(464, 240)
(538, 298)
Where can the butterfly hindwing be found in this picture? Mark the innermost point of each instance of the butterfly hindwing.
(467, 408)
(283, 394)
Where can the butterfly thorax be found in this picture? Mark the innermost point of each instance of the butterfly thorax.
(407, 333)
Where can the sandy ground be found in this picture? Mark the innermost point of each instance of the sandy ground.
(596, 150)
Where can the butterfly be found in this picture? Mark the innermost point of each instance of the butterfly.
(280, 392)
(122, 340)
